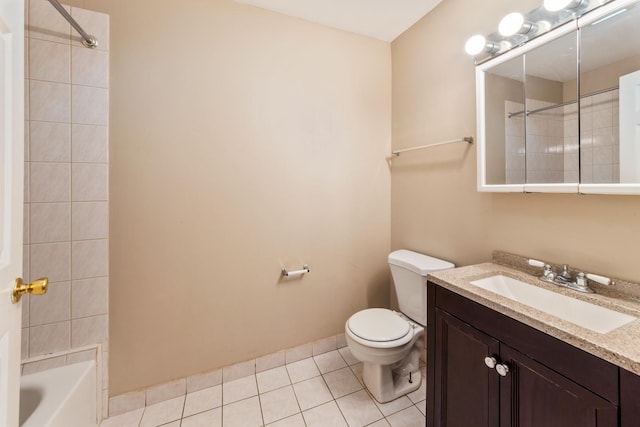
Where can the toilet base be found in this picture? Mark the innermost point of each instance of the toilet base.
(385, 385)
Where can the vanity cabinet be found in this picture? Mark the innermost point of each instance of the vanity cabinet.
(546, 381)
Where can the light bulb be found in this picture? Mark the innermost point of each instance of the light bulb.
(511, 24)
(475, 44)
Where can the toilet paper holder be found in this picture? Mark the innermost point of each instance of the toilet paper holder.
(286, 273)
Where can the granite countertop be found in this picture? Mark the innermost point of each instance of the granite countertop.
(620, 346)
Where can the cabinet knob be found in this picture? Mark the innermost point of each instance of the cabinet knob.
(491, 362)
(502, 369)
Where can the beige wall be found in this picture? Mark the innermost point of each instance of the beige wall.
(435, 207)
(241, 141)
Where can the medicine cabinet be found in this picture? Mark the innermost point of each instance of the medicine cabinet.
(561, 113)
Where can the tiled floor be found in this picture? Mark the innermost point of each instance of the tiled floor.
(324, 391)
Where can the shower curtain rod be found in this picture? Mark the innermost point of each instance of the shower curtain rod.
(87, 39)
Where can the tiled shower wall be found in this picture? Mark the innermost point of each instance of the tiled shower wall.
(551, 153)
(544, 153)
(66, 184)
(600, 138)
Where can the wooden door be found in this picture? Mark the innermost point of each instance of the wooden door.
(466, 389)
(532, 395)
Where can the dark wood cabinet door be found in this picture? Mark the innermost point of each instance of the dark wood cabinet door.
(629, 399)
(466, 390)
(532, 395)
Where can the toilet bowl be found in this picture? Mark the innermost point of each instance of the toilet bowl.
(389, 343)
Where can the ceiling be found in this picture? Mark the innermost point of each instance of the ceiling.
(380, 19)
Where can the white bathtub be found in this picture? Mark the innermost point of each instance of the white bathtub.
(60, 397)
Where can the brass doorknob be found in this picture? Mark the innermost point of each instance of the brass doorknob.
(37, 287)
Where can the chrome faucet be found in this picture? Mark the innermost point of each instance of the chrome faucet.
(564, 278)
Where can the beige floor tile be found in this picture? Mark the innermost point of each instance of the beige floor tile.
(342, 382)
(410, 417)
(302, 370)
(239, 389)
(312, 393)
(163, 412)
(272, 379)
(331, 361)
(212, 418)
(394, 406)
(381, 423)
(128, 419)
(358, 409)
(245, 413)
(278, 404)
(203, 400)
(348, 356)
(324, 416)
(294, 421)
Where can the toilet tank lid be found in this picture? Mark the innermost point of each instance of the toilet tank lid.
(418, 263)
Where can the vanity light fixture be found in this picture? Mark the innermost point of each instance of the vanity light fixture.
(478, 43)
(514, 23)
(516, 29)
(557, 5)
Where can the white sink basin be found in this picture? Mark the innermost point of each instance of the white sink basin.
(587, 315)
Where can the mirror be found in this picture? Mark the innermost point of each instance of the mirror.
(561, 112)
(505, 139)
(552, 112)
(609, 98)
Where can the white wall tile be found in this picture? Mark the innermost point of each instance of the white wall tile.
(126, 402)
(26, 223)
(50, 182)
(45, 22)
(239, 370)
(24, 346)
(205, 380)
(90, 67)
(27, 182)
(89, 330)
(90, 143)
(27, 140)
(90, 182)
(98, 23)
(50, 222)
(25, 308)
(49, 61)
(52, 260)
(49, 338)
(50, 142)
(90, 220)
(43, 365)
(270, 361)
(89, 297)
(49, 102)
(298, 353)
(52, 307)
(90, 105)
(166, 391)
(90, 259)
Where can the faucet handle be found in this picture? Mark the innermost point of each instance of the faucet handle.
(536, 263)
(600, 279)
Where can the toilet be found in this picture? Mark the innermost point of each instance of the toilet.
(389, 343)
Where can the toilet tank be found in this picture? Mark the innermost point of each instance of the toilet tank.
(409, 271)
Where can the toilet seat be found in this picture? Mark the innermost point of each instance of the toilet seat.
(379, 327)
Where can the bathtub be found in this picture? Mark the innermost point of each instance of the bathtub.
(60, 397)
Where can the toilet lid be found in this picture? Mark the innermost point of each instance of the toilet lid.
(378, 324)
